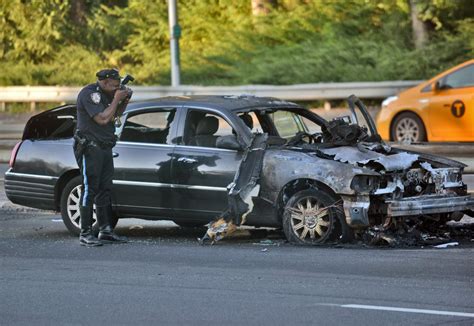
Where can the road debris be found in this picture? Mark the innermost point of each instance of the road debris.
(446, 245)
(418, 233)
(217, 230)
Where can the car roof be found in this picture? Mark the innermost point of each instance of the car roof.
(220, 103)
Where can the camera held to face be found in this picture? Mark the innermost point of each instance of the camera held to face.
(124, 82)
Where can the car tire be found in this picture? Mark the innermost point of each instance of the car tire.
(301, 229)
(70, 208)
(408, 128)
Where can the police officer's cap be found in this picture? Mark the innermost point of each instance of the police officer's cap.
(108, 73)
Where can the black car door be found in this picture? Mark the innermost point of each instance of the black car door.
(142, 159)
(202, 172)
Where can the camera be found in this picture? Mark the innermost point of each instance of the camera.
(128, 78)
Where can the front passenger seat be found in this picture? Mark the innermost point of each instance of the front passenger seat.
(205, 130)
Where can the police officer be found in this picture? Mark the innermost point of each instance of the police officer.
(97, 106)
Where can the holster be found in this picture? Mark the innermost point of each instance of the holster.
(80, 144)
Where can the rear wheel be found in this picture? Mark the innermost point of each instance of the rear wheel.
(313, 217)
(70, 198)
(408, 128)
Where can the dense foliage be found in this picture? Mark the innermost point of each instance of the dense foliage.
(63, 42)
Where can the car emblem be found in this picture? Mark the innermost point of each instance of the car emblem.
(458, 108)
(95, 97)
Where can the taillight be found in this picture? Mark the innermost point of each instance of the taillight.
(14, 152)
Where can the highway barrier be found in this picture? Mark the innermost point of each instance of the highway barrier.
(302, 92)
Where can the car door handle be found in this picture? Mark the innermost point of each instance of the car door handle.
(187, 160)
(115, 154)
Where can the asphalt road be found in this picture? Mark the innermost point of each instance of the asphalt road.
(164, 277)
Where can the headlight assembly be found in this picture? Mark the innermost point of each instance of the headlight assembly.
(389, 100)
(365, 183)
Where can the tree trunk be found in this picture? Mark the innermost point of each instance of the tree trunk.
(78, 12)
(420, 32)
(262, 7)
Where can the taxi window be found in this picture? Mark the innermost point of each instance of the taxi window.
(461, 78)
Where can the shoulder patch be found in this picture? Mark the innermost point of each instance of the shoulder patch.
(95, 97)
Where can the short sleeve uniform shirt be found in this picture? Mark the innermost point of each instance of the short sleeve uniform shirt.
(91, 101)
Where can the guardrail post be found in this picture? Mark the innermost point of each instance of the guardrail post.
(327, 106)
(3, 107)
(32, 106)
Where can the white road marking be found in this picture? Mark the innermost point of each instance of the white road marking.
(418, 311)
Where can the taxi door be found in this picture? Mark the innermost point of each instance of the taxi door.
(451, 110)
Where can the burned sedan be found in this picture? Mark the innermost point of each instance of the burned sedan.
(244, 159)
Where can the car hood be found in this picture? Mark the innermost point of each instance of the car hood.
(354, 155)
(382, 157)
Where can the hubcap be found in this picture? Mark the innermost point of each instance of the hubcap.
(73, 207)
(309, 219)
(407, 131)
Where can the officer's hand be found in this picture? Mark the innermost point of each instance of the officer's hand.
(120, 94)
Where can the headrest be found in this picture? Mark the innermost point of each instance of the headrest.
(207, 126)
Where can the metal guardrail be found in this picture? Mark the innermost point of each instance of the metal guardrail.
(302, 92)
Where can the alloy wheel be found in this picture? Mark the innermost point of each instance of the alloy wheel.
(73, 207)
(407, 130)
(310, 220)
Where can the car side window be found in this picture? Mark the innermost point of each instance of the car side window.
(202, 128)
(463, 77)
(148, 127)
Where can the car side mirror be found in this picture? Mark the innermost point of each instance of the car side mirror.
(228, 142)
(441, 85)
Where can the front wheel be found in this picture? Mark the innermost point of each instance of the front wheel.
(408, 128)
(70, 198)
(313, 217)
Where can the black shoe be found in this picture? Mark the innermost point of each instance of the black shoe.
(106, 232)
(107, 235)
(89, 240)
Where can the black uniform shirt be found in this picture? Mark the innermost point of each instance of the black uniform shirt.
(91, 101)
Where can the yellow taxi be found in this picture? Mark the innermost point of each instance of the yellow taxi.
(440, 109)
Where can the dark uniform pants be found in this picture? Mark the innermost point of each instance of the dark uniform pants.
(97, 170)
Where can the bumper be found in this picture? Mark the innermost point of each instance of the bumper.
(356, 210)
(430, 205)
(383, 119)
(30, 190)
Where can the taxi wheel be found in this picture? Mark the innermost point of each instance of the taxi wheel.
(408, 128)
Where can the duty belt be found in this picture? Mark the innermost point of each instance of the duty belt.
(86, 142)
(103, 145)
